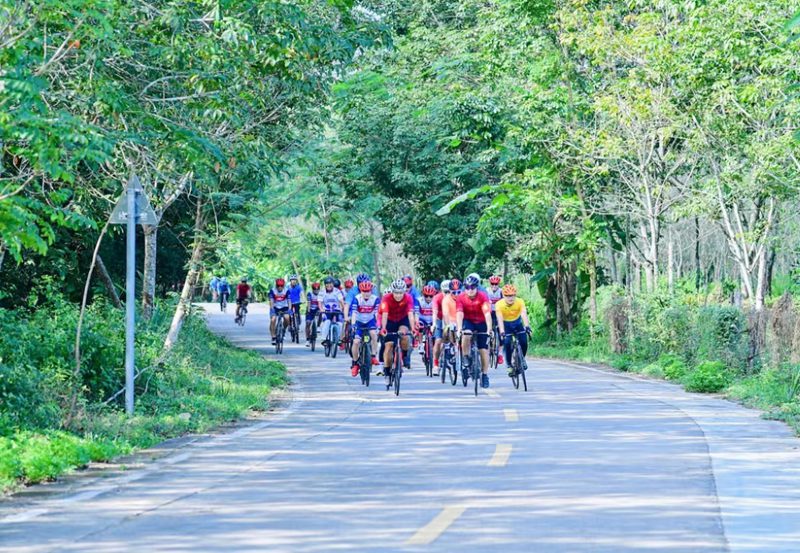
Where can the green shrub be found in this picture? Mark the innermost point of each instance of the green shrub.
(673, 367)
(653, 370)
(708, 377)
(622, 363)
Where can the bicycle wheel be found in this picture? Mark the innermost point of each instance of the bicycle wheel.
(521, 366)
(334, 340)
(278, 334)
(398, 368)
(476, 367)
(429, 354)
(313, 337)
(492, 350)
(442, 365)
(366, 361)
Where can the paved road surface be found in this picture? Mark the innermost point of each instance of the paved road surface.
(585, 461)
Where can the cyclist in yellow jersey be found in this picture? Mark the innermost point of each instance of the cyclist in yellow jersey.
(512, 318)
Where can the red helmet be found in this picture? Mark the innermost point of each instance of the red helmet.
(315, 285)
(348, 283)
(280, 282)
(429, 291)
(408, 280)
(365, 286)
(494, 279)
(455, 284)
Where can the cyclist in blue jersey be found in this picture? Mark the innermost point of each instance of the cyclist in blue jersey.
(312, 309)
(279, 306)
(295, 295)
(364, 318)
(410, 288)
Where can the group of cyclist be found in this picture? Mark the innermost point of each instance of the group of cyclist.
(450, 311)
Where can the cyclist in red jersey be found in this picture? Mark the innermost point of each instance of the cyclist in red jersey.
(474, 314)
(438, 321)
(397, 315)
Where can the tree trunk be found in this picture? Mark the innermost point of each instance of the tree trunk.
(105, 278)
(670, 266)
(149, 278)
(698, 270)
(770, 269)
(3, 250)
(592, 293)
(190, 281)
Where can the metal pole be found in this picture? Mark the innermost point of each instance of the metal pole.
(130, 299)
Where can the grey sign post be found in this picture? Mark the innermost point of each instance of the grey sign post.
(133, 208)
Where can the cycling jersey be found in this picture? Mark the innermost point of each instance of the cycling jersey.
(449, 308)
(365, 310)
(475, 308)
(510, 312)
(296, 294)
(397, 310)
(424, 309)
(242, 291)
(437, 301)
(280, 299)
(224, 288)
(330, 302)
(312, 302)
(351, 295)
(494, 296)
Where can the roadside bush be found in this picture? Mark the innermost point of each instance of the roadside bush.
(673, 367)
(653, 370)
(708, 377)
(721, 333)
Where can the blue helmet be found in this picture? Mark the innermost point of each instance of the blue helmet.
(472, 280)
(434, 284)
(362, 277)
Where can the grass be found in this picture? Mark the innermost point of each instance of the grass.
(204, 382)
(774, 391)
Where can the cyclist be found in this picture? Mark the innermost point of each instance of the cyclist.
(213, 286)
(224, 291)
(279, 305)
(295, 296)
(495, 295)
(435, 285)
(331, 304)
(424, 312)
(243, 294)
(512, 318)
(474, 315)
(381, 341)
(438, 317)
(349, 287)
(410, 288)
(397, 317)
(363, 318)
(337, 284)
(312, 309)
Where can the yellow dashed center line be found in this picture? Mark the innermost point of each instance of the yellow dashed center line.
(439, 524)
(501, 454)
(511, 415)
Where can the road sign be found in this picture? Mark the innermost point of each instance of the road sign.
(145, 215)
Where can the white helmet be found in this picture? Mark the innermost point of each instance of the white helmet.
(445, 286)
(399, 285)
(476, 275)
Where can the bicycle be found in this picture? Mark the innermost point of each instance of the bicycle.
(447, 361)
(312, 332)
(427, 349)
(518, 364)
(332, 340)
(397, 362)
(347, 336)
(279, 332)
(494, 348)
(223, 302)
(242, 314)
(294, 323)
(475, 362)
(365, 359)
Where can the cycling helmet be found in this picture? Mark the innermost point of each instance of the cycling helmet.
(445, 286)
(224, 280)
(348, 283)
(363, 277)
(476, 275)
(399, 285)
(328, 280)
(408, 280)
(434, 284)
(244, 279)
(455, 286)
(337, 283)
(509, 290)
(293, 277)
(472, 280)
(280, 282)
(429, 291)
(494, 279)
(365, 286)
(315, 285)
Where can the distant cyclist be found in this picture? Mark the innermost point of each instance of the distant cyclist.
(224, 292)
(424, 311)
(295, 296)
(331, 304)
(279, 306)
(410, 288)
(438, 317)
(495, 295)
(312, 309)
(512, 318)
(474, 321)
(363, 318)
(243, 295)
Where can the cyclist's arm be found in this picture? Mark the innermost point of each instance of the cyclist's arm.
(525, 315)
(487, 314)
(500, 322)
(384, 319)
(459, 320)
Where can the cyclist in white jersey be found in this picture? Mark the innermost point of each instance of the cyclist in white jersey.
(331, 304)
(364, 320)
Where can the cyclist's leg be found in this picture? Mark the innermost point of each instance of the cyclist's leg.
(373, 335)
(272, 320)
(286, 319)
(356, 344)
(325, 327)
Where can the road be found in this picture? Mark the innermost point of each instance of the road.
(587, 460)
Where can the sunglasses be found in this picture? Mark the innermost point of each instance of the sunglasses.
(471, 287)
(427, 297)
